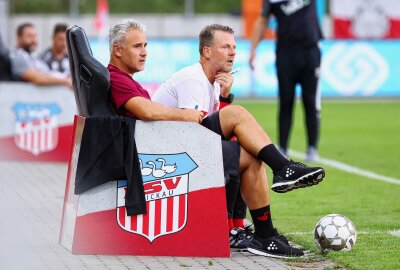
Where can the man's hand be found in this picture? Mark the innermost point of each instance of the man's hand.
(191, 115)
(225, 80)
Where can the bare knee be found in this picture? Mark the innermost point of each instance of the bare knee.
(231, 117)
(235, 111)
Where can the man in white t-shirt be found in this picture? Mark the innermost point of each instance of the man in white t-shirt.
(205, 96)
(203, 86)
(202, 96)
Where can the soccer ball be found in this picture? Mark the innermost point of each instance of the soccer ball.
(335, 232)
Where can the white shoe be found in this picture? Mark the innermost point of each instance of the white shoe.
(312, 155)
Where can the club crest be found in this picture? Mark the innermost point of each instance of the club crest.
(166, 187)
(36, 126)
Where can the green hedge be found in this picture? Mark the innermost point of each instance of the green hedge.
(126, 6)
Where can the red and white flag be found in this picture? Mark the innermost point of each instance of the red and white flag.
(369, 19)
(101, 21)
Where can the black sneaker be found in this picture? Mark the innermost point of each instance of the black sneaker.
(296, 175)
(240, 238)
(249, 227)
(276, 246)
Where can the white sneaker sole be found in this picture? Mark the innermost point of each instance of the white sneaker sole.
(266, 254)
(302, 182)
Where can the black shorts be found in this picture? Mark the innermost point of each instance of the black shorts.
(212, 123)
(230, 149)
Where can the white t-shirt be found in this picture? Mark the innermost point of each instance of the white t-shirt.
(189, 88)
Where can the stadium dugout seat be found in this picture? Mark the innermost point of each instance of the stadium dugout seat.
(90, 78)
(183, 183)
(5, 63)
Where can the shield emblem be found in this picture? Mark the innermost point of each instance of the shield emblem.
(166, 187)
(36, 127)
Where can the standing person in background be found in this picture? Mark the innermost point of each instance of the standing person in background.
(56, 57)
(298, 60)
(28, 68)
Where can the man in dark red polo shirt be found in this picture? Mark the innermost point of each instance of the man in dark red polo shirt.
(124, 87)
(128, 55)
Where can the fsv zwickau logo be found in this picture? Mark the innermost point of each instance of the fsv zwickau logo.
(36, 126)
(166, 187)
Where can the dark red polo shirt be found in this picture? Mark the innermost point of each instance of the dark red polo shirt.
(123, 88)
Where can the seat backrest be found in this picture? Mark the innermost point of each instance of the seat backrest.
(91, 80)
(5, 62)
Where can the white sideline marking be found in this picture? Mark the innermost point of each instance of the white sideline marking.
(348, 168)
(395, 233)
(392, 232)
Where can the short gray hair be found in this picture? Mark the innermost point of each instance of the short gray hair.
(206, 37)
(119, 31)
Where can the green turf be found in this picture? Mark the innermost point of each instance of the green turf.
(361, 133)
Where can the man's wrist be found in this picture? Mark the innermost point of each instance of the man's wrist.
(228, 99)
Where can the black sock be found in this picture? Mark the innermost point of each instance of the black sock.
(262, 221)
(272, 157)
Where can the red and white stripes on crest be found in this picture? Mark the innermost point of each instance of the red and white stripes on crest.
(164, 216)
(36, 136)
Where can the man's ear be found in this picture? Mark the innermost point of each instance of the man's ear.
(206, 52)
(117, 50)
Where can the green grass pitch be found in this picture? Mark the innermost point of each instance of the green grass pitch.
(363, 133)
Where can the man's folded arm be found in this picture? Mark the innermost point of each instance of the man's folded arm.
(147, 110)
(39, 78)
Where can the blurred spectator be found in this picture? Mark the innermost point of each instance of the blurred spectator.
(56, 57)
(5, 64)
(28, 68)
